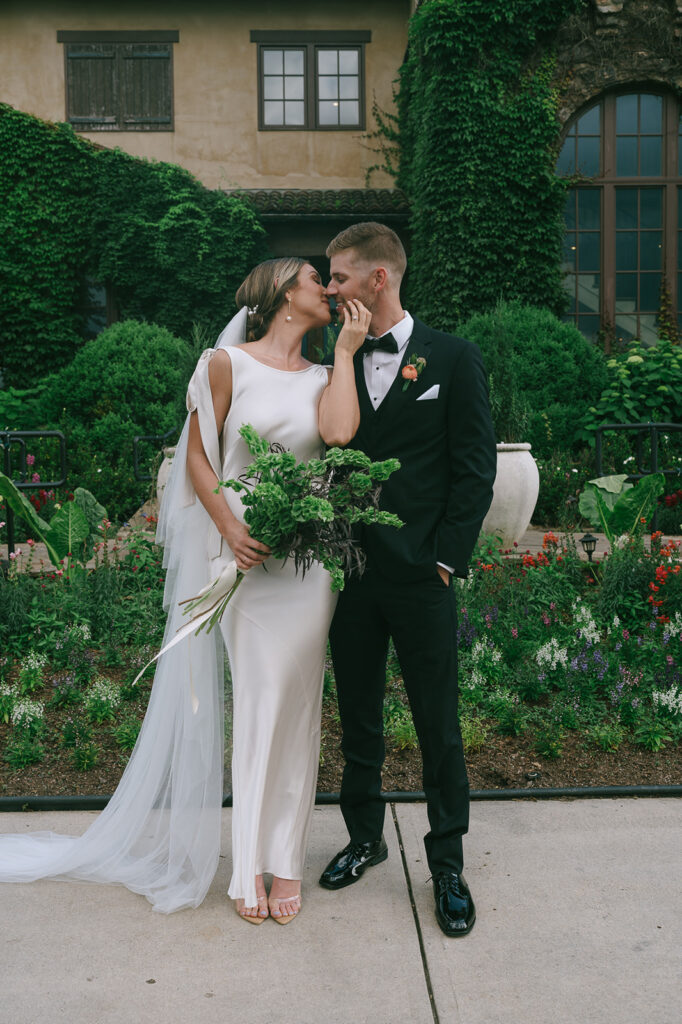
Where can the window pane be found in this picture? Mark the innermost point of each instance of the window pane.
(626, 157)
(626, 293)
(293, 88)
(273, 112)
(348, 62)
(350, 112)
(588, 124)
(626, 328)
(328, 112)
(626, 208)
(650, 115)
(328, 62)
(568, 262)
(650, 152)
(293, 112)
(348, 88)
(588, 155)
(626, 114)
(588, 208)
(649, 291)
(650, 208)
(273, 88)
(588, 293)
(569, 212)
(293, 62)
(626, 250)
(328, 87)
(647, 329)
(272, 62)
(588, 250)
(589, 326)
(650, 250)
(566, 162)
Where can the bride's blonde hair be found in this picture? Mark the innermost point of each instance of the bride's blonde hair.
(264, 290)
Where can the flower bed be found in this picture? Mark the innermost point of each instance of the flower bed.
(570, 673)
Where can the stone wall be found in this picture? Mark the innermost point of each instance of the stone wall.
(610, 44)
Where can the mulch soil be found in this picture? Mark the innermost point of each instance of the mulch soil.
(504, 762)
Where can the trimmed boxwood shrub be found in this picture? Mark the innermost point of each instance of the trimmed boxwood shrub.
(557, 371)
(131, 379)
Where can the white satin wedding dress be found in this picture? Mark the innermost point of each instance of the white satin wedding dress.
(160, 833)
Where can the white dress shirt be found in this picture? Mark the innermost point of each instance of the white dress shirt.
(381, 367)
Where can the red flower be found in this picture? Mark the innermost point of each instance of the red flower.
(410, 372)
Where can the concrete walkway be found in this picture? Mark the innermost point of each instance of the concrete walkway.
(579, 920)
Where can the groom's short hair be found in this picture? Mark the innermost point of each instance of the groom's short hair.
(372, 243)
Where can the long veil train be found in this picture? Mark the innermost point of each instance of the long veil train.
(159, 835)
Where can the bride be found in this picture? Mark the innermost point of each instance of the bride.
(160, 833)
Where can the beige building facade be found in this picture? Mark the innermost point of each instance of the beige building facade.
(231, 70)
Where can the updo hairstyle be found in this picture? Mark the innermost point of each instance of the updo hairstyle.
(264, 292)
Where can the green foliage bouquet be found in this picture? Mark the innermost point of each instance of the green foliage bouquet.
(301, 510)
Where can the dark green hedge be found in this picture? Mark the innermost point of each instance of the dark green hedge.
(478, 130)
(173, 250)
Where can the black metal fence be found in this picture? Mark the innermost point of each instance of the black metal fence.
(10, 440)
(643, 431)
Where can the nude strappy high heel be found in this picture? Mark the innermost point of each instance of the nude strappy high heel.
(257, 919)
(274, 903)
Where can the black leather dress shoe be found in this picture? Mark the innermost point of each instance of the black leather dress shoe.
(455, 910)
(348, 865)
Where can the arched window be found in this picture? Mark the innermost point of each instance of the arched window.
(624, 224)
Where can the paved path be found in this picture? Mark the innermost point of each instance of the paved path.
(579, 922)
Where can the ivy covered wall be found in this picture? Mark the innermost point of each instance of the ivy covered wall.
(173, 251)
(478, 133)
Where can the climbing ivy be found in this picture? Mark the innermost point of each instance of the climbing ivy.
(173, 251)
(478, 130)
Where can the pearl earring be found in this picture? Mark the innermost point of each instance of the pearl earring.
(288, 317)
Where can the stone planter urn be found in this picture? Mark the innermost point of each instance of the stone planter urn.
(515, 493)
(164, 472)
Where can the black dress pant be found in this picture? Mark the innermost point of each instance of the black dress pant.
(421, 618)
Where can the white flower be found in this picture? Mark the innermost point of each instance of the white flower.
(485, 652)
(25, 712)
(670, 699)
(34, 661)
(103, 691)
(552, 655)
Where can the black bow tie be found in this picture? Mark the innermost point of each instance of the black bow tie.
(386, 343)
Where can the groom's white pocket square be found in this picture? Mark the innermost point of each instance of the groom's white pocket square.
(431, 393)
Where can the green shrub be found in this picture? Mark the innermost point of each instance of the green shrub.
(558, 372)
(643, 383)
(129, 380)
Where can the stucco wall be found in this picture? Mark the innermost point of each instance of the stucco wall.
(216, 133)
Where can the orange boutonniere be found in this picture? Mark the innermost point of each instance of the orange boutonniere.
(412, 370)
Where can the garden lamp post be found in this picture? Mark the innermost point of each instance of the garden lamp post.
(589, 543)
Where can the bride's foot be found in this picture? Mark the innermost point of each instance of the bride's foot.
(284, 900)
(255, 915)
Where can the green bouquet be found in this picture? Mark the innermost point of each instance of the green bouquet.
(301, 510)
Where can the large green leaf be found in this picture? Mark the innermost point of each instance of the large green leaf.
(93, 512)
(68, 530)
(609, 489)
(638, 503)
(22, 507)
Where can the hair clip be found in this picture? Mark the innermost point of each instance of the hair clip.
(251, 310)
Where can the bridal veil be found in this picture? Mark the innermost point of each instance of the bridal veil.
(159, 835)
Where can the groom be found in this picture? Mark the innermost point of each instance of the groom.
(423, 399)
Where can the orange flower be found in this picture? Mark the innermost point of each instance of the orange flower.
(410, 372)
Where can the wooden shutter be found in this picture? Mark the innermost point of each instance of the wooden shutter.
(146, 86)
(91, 80)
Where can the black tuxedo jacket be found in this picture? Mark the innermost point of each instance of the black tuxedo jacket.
(446, 448)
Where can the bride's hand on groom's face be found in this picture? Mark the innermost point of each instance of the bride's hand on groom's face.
(246, 549)
(356, 320)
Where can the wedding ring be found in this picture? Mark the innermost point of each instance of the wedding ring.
(354, 318)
